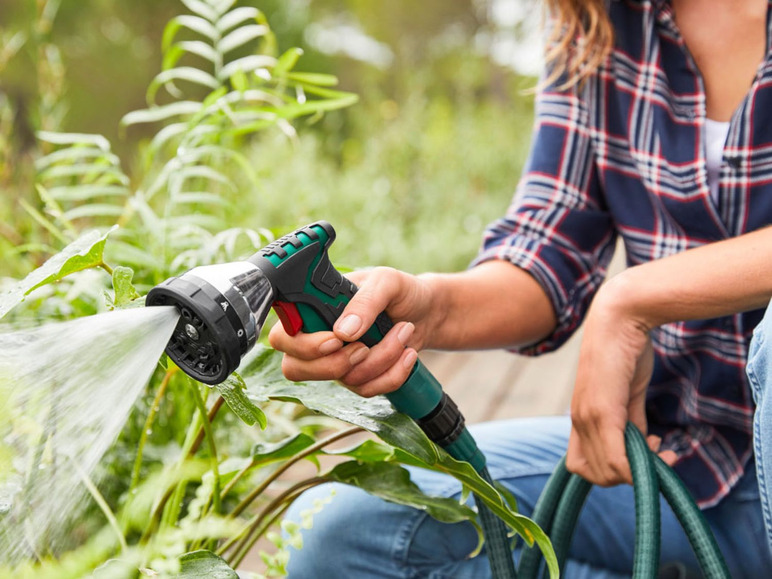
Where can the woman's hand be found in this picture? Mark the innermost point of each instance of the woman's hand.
(615, 366)
(337, 355)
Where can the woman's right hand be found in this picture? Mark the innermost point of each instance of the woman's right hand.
(337, 355)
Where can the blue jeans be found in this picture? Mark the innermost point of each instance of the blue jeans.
(359, 536)
(760, 375)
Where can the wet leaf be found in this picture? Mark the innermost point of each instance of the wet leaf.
(83, 253)
(233, 391)
(285, 448)
(368, 451)
(205, 565)
(125, 292)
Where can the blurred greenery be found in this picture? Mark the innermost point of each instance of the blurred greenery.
(409, 175)
(438, 125)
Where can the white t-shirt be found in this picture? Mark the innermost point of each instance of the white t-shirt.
(715, 136)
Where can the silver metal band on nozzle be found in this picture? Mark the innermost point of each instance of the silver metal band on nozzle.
(222, 310)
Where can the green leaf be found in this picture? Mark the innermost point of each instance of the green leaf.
(76, 153)
(83, 253)
(313, 78)
(186, 73)
(192, 23)
(204, 565)
(263, 453)
(233, 391)
(93, 210)
(201, 8)
(90, 171)
(125, 292)
(368, 451)
(241, 36)
(197, 47)
(391, 482)
(74, 139)
(237, 16)
(287, 61)
(201, 198)
(85, 192)
(246, 64)
(161, 113)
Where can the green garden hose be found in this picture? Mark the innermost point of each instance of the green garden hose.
(563, 497)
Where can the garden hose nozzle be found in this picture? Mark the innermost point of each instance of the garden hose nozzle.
(223, 307)
(222, 310)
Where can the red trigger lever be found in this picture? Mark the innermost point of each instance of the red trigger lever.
(289, 316)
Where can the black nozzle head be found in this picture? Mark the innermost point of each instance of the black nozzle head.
(209, 339)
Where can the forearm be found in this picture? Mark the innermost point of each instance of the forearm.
(714, 280)
(495, 304)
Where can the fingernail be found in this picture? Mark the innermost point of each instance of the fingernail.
(405, 332)
(330, 346)
(410, 358)
(358, 355)
(349, 325)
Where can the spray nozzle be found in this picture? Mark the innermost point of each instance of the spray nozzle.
(222, 310)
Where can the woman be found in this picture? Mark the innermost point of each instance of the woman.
(654, 124)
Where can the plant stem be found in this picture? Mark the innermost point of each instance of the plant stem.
(148, 425)
(301, 455)
(106, 267)
(209, 418)
(100, 500)
(160, 508)
(245, 542)
(207, 425)
(236, 478)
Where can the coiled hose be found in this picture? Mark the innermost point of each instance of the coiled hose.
(558, 507)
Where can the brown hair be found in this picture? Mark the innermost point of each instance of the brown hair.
(580, 39)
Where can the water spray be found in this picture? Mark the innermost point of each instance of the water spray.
(223, 309)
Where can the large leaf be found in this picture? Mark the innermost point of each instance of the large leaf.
(264, 453)
(204, 565)
(83, 253)
(264, 381)
(392, 482)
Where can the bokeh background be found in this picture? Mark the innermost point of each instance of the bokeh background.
(411, 173)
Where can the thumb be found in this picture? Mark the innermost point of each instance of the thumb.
(372, 298)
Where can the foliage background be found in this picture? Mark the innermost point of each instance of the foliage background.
(409, 175)
(439, 124)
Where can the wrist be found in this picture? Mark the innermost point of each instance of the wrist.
(437, 300)
(628, 297)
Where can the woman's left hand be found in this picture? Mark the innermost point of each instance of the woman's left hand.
(615, 366)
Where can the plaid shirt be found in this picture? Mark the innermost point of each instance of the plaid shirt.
(624, 155)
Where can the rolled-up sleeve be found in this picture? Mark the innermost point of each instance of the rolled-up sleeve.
(557, 228)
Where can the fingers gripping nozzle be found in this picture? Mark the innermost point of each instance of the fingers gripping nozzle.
(222, 310)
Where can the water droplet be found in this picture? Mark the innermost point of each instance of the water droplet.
(5, 507)
(149, 431)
